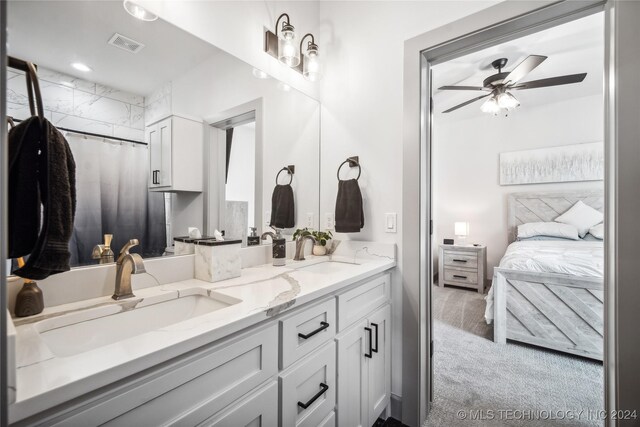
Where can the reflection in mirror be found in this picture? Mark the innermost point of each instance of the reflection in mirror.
(168, 132)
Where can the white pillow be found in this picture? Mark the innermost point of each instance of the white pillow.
(597, 231)
(552, 229)
(582, 216)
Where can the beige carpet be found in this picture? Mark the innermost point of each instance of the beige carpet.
(510, 384)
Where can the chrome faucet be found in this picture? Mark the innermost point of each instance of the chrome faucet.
(300, 246)
(126, 265)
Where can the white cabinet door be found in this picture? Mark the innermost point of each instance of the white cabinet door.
(353, 346)
(379, 365)
(165, 136)
(259, 409)
(155, 155)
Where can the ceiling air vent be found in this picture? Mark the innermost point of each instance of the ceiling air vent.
(125, 43)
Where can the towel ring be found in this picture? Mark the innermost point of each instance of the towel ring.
(352, 163)
(285, 169)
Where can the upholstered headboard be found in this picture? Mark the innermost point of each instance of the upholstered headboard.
(545, 207)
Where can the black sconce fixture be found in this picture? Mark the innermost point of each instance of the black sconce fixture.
(283, 47)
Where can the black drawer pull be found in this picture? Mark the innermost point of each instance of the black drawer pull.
(324, 325)
(459, 277)
(369, 354)
(323, 389)
(375, 325)
(460, 260)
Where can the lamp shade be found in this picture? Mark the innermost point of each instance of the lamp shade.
(461, 229)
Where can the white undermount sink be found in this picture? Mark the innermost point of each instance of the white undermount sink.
(328, 267)
(75, 333)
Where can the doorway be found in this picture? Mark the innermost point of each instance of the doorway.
(495, 25)
(495, 171)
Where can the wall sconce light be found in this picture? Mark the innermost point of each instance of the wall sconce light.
(309, 62)
(283, 46)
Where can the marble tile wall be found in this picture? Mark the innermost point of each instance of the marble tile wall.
(158, 104)
(79, 104)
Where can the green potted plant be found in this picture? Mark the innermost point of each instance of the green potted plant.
(322, 237)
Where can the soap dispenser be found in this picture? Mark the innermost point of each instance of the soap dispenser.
(279, 246)
(253, 239)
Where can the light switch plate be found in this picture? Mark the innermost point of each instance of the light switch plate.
(309, 220)
(329, 221)
(391, 222)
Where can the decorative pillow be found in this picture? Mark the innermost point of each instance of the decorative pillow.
(581, 216)
(549, 229)
(597, 231)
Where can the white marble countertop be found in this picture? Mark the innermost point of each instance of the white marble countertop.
(45, 380)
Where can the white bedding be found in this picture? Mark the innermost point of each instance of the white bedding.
(576, 258)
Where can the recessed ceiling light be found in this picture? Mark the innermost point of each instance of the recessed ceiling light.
(81, 67)
(138, 11)
(259, 74)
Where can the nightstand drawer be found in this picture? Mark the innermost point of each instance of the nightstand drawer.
(461, 259)
(460, 276)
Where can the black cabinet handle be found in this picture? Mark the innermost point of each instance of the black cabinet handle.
(460, 260)
(369, 354)
(459, 277)
(324, 325)
(153, 177)
(375, 325)
(323, 389)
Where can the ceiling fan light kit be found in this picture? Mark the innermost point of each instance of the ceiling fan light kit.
(500, 99)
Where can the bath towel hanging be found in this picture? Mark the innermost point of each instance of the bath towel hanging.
(283, 203)
(41, 178)
(349, 214)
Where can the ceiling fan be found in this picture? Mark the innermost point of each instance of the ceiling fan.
(499, 85)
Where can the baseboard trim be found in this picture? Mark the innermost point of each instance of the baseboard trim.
(396, 406)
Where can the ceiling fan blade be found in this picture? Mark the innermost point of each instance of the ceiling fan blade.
(466, 103)
(524, 68)
(551, 81)
(463, 88)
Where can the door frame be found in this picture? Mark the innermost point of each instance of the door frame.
(491, 26)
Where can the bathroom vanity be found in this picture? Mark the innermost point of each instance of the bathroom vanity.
(306, 344)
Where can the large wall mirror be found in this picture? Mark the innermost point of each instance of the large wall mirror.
(167, 131)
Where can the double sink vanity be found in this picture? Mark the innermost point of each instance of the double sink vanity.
(305, 344)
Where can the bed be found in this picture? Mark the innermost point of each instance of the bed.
(549, 293)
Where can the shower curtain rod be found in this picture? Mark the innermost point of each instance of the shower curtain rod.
(97, 135)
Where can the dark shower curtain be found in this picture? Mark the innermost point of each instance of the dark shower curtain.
(113, 198)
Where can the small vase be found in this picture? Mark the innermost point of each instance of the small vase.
(319, 250)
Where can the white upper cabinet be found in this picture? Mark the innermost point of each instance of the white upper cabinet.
(175, 154)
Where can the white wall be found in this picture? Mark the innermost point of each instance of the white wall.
(362, 45)
(466, 164)
(238, 27)
(290, 129)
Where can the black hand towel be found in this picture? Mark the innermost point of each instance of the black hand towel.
(349, 212)
(41, 171)
(283, 207)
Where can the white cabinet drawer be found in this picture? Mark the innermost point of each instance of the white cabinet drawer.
(460, 276)
(306, 330)
(308, 389)
(259, 409)
(190, 389)
(358, 302)
(461, 259)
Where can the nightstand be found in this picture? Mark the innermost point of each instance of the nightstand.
(462, 265)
